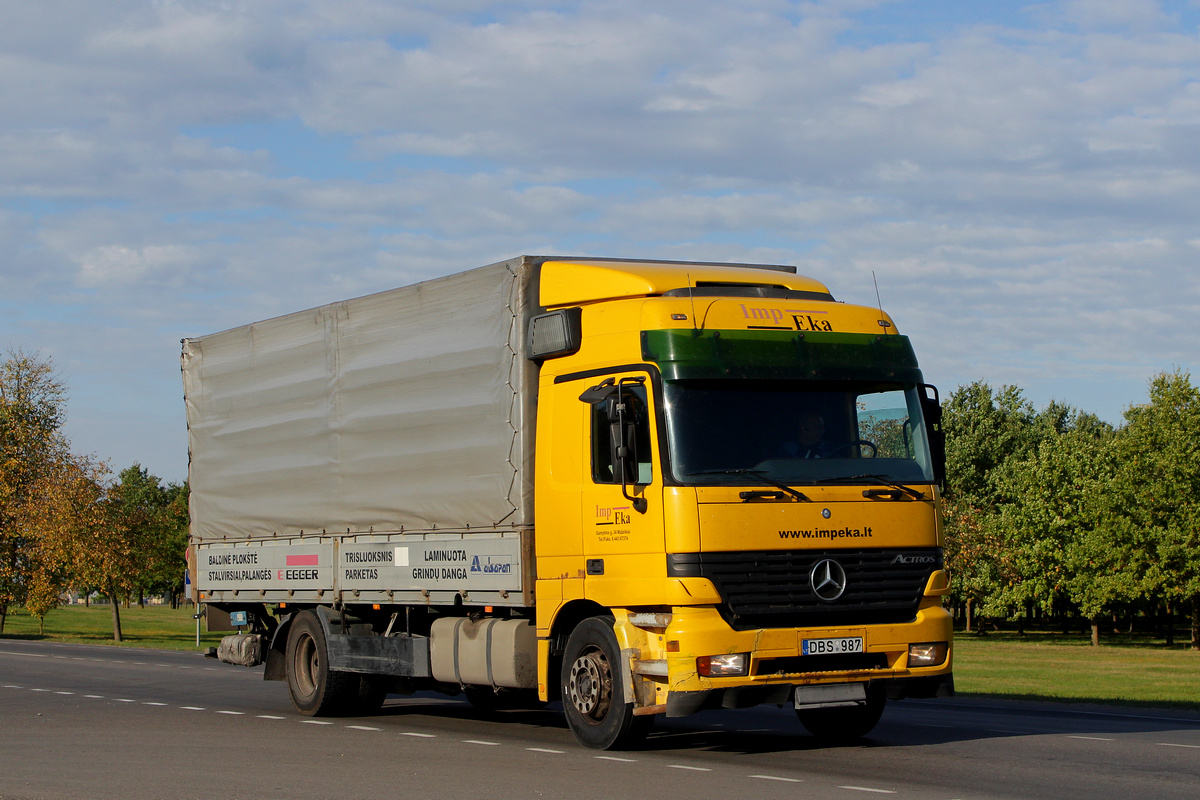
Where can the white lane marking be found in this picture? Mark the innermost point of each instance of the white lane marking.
(544, 750)
(232, 713)
(143, 663)
(1091, 738)
(1172, 744)
(315, 722)
(191, 708)
(362, 727)
(867, 789)
(153, 704)
(12, 686)
(95, 696)
(79, 658)
(480, 741)
(162, 665)
(775, 778)
(685, 766)
(64, 693)
(617, 758)
(269, 716)
(419, 735)
(39, 690)
(124, 700)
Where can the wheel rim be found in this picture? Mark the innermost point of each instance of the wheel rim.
(308, 665)
(589, 685)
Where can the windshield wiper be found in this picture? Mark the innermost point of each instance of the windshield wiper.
(757, 473)
(883, 480)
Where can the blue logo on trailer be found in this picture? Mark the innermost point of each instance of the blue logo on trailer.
(493, 565)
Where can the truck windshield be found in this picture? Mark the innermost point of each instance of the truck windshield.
(796, 432)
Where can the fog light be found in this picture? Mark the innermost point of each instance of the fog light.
(724, 666)
(927, 654)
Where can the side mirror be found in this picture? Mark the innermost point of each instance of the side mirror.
(622, 410)
(931, 409)
(622, 422)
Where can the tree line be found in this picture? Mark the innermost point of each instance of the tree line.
(1049, 512)
(65, 522)
(1055, 513)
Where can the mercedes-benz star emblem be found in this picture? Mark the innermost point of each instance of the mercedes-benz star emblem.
(828, 580)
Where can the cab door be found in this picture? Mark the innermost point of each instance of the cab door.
(622, 493)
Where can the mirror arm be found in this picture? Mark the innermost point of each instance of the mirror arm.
(638, 503)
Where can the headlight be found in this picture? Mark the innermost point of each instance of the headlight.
(927, 654)
(723, 666)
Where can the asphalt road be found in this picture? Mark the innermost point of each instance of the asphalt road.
(106, 722)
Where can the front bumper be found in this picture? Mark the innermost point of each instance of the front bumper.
(776, 663)
(681, 704)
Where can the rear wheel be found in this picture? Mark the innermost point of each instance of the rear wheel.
(837, 725)
(316, 690)
(593, 689)
(372, 691)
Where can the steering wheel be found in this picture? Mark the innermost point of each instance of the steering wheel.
(856, 443)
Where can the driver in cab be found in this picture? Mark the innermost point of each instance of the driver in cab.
(809, 441)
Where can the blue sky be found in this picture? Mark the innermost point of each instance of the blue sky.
(1022, 179)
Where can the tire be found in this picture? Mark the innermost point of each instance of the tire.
(841, 725)
(593, 689)
(316, 690)
(372, 691)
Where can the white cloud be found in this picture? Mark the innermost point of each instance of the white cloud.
(1025, 195)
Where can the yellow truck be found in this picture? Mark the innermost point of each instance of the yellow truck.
(639, 488)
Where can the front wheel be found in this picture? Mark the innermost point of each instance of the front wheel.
(593, 689)
(840, 725)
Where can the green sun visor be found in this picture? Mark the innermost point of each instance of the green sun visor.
(683, 354)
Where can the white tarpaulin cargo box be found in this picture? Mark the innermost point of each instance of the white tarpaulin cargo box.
(409, 410)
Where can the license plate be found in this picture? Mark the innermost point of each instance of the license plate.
(824, 647)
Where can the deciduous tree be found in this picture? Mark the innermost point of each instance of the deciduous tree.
(1160, 474)
(31, 448)
(62, 516)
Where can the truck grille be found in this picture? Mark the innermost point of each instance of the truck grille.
(773, 589)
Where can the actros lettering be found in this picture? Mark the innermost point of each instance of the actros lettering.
(903, 559)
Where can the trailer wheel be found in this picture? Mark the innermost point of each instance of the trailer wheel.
(316, 690)
(372, 691)
(840, 725)
(593, 689)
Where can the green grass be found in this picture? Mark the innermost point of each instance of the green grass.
(1061, 668)
(152, 626)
